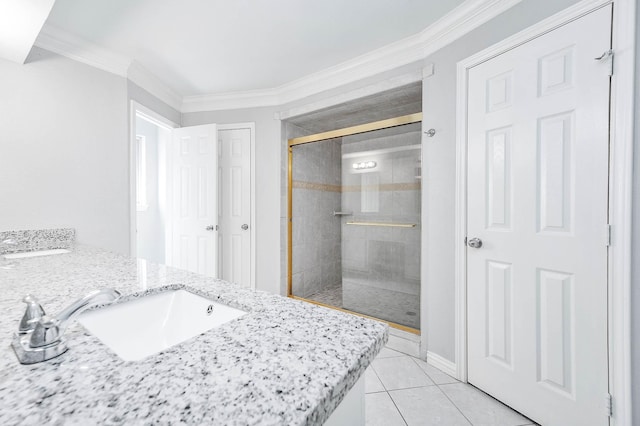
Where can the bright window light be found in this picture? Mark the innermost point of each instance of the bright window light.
(141, 174)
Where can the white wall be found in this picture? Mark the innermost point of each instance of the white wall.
(267, 157)
(64, 149)
(145, 98)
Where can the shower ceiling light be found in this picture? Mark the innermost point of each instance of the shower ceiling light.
(364, 165)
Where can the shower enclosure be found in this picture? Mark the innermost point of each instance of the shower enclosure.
(354, 220)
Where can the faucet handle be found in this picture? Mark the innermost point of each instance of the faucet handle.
(46, 332)
(31, 316)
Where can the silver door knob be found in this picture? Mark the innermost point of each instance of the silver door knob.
(211, 228)
(475, 243)
(245, 227)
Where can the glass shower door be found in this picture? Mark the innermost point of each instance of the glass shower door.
(381, 186)
(355, 228)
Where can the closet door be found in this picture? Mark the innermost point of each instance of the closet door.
(234, 208)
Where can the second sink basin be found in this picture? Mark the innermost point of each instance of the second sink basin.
(150, 324)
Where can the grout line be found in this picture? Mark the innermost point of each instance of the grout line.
(411, 387)
(393, 356)
(441, 372)
(424, 372)
(400, 354)
(376, 373)
(397, 409)
(454, 404)
(503, 404)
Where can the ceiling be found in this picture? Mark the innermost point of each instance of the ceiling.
(201, 47)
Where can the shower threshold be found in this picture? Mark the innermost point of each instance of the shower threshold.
(332, 298)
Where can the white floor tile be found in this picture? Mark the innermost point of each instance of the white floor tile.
(388, 353)
(480, 408)
(400, 373)
(372, 383)
(427, 406)
(381, 411)
(438, 377)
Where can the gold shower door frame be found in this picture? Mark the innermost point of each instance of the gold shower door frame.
(348, 131)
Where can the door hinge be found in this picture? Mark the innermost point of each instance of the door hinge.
(608, 235)
(609, 405)
(608, 57)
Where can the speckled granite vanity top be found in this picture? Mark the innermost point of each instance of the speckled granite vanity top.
(285, 363)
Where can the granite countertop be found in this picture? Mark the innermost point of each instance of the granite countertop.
(286, 362)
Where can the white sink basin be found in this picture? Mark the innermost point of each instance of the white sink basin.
(35, 253)
(150, 324)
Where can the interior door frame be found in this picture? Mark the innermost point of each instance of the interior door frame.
(620, 191)
(137, 109)
(252, 224)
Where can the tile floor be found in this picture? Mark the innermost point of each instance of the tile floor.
(402, 390)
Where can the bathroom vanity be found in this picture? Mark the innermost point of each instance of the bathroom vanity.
(284, 362)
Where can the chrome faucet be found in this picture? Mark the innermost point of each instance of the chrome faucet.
(98, 297)
(40, 336)
(31, 316)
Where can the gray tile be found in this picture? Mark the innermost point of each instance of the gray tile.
(297, 260)
(331, 295)
(400, 373)
(372, 383)
(438, 377)
(388, 300)
(388, 353)
(480, 408)
(297, 283)
(312, 280)
(386, 259)
(427, 406)
(381, 411)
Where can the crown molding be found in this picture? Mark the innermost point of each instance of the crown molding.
(152, 84)
(468, 16)
(68, 45)
(460, 21)
(231, 100)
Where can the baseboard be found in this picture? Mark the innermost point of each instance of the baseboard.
(442, 364)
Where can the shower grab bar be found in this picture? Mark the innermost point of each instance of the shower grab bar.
(395, 225)
(342, 213)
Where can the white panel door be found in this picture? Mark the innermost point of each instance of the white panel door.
(234, 205)
(537, 200)
(194, 162)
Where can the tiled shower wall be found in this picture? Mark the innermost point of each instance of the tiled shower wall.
(316, 238)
